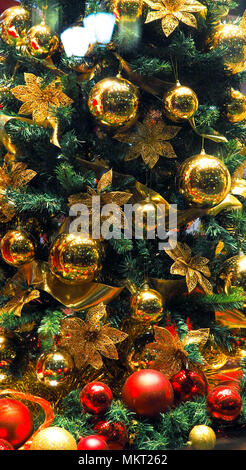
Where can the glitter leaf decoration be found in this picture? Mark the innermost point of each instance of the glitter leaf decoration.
(171, 12)
(150, 141)
(87, 341)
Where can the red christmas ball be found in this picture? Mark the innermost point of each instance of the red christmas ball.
(188, 384)
(96, 398)
(224, 403)
(16, 423)
(5, 4)
(93, 442)
(147, 392)
(115, 434)
(5, 445)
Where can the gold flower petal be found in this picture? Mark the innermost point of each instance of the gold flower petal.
(169, 23)
(189, 19)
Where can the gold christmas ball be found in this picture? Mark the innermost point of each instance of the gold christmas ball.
(53, 438)
(202, 437)
(147, 305)
(232, 274)
(8, 353)
(204, 180)
(232, 40)
(235, 106)
(114, 102)
(128, 9)
(214, 356)
(180, 103)
(41, 42)
(146, 214)
(75, 258)
(17, 248)
(14, 23)
(55, 368)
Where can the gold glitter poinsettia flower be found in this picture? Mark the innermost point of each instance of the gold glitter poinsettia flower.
(193, 268)
(39, 101)
(150, 141)
(171, 12)
(88, 340)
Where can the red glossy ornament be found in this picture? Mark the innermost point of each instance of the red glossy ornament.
(115, 434)
(147, 392)
(93, 442)
(5, 4)
(96, 398)
(16, 423)
(5, 445)
(224, 402)
(188, 384)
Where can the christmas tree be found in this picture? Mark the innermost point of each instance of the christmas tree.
(123, 213)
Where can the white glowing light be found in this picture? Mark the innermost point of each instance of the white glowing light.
(100, 26)
(76, 41)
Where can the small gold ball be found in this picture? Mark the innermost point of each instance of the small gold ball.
(75, 258)
(235, 106)
(41, 42)
(213, 354)
(147, 305)
(17, 248)
(202, 437)
(145, 215)
(204, 180)
(180, 103)
(53, 438)
(232, 274)
(8, 354)
(14, 24)
(232, 39)
(55, 368)
(114, 102)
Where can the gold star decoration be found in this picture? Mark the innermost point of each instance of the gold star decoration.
(106, 197)
(171, 12)
(193, 268)
(89, 340)
(150, 141)
(168, 350)
(15, 175)
(39, 101)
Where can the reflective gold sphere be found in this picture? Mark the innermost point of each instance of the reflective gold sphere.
(55, 368)
(204, 180)
(114, 102)
(7, 355)
(53, 438)
(14, 23)
(213, 354)
(180, 103)
(74, 258)
(235, 106)
(145, 215)
(202, 437)
(232, 274)
(147, 305)
(17, 248)
(232, 39)
(41, 42)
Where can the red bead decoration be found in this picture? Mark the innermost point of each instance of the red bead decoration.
(188, 384)
(16, 423)
(5, 445)
(224, 402)
(96, 398)
(115, 434)
(147, 392)
(93, 442)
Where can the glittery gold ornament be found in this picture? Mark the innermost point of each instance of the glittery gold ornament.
(14, 24)
(232, 40)
(204, 180)
(114, 102)
(213, 354)
(202, 437)
(41, 42)
(145, 215)
(235, 106)
(127, 10)
(180, 103)
(55, 368)
(17, 248)
(75, 258)
(7, 355)
(53, 438)
(232, 274)
(147, 305)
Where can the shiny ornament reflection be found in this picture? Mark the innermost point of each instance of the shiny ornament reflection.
(180, 103)
(8, 355)
(204, 180)
(202, 437)
(232, 274)
(41, 42)
(114, 102)
(14, 24)
(17, 248)
(55, 368)
(232, 40)
(147, 305)
(235, 106)
(224, 403)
